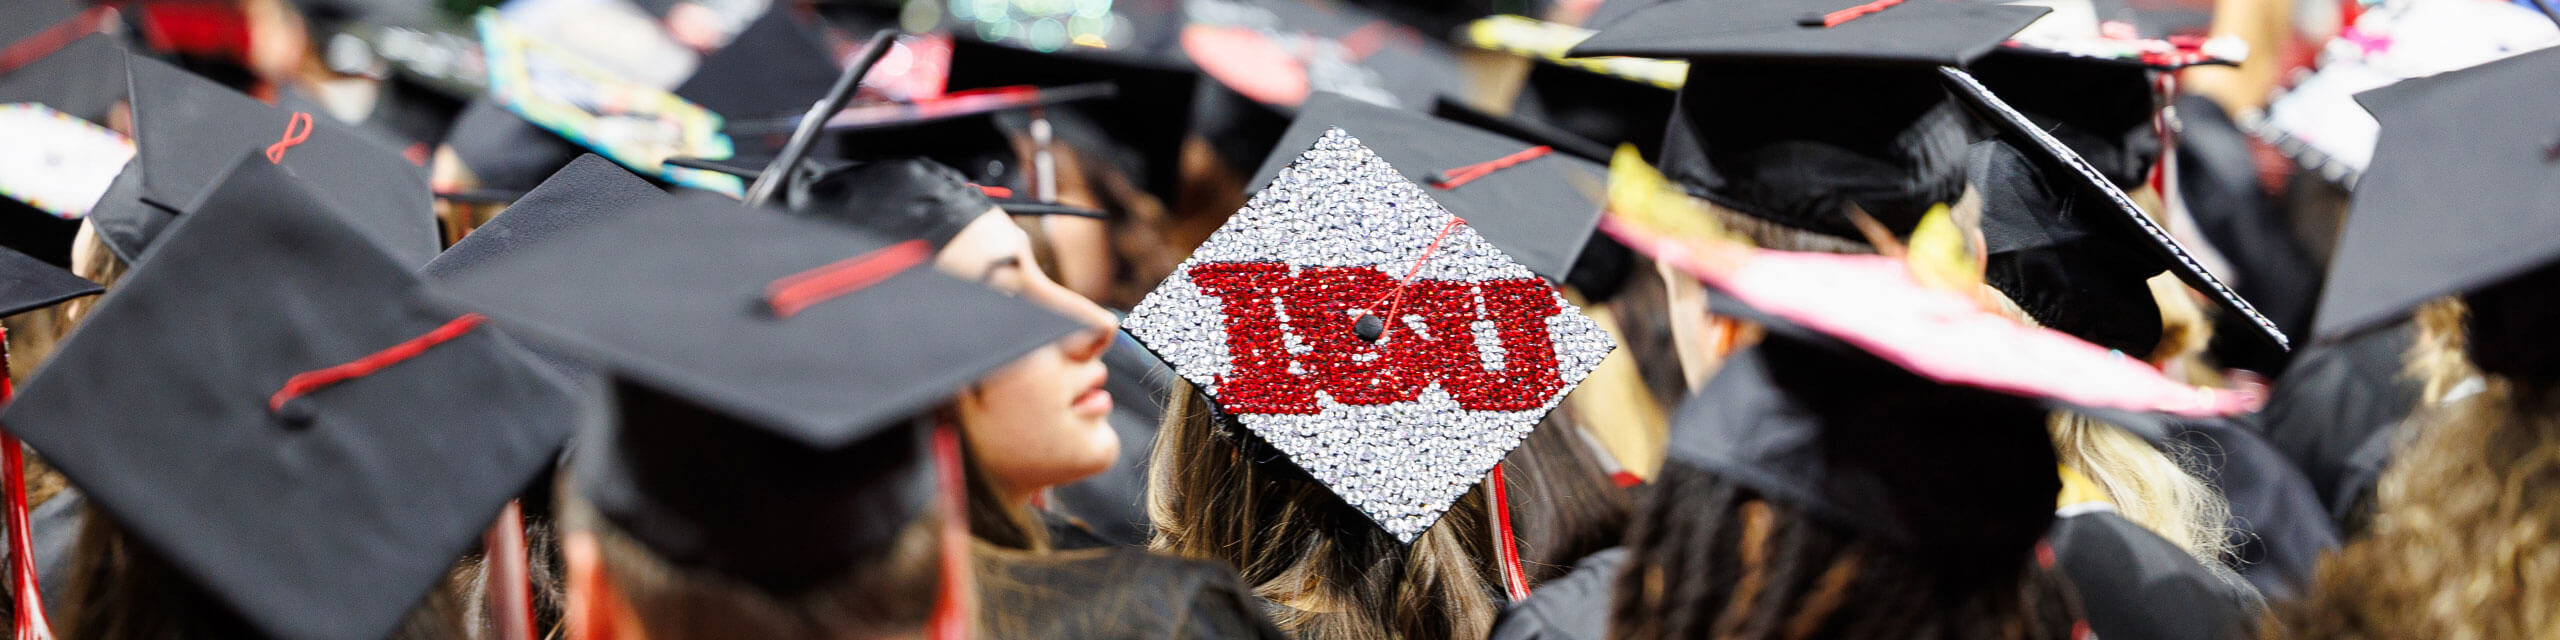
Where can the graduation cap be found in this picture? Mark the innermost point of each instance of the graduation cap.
(1795, 110)
(1140, 127)
(1613, 100)
(29, 18)
(272, 405)
(187, 129)
(1538, 205)
(28, 284)
(2112, 213)
(776, 67)
(2449, 205)
(2094, 94)
(55, 170)
(918, 194)
(84, 78)
(508, 154)
(1278, 52)
(2056, 255)
(589, 192)
(1385, 347)
(768, 371)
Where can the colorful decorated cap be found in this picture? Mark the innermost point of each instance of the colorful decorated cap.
(1349, 321)
(2451, 205)
(188, 130)
(54, 171)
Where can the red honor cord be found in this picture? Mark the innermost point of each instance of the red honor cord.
(1505, 548)
(951, 614)
(30, 620)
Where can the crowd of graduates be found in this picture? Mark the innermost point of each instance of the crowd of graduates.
(1315, 319)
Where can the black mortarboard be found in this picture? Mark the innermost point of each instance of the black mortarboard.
(1794, 110)
(917, 197)
(1610, 100)
(768, 371)
(776, 67)
(2052, 251)
(2450, 204)
(187, 129)
(271, 404)
(1141, 127)
(24, 18)
(27, 284)
(2102, 109)
(54, 171)
(504, 151)
(1540, 209)
(588, 192)
(84, 79)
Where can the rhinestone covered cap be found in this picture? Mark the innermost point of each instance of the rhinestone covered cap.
(1398, 418)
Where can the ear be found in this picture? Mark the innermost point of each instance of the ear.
(595, 610)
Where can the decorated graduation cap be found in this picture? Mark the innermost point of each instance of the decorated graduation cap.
(1140, 127)
(272, 406)
(770, 377)
(188, 130)
(1345, 318)
(2099, 214)
(1795, 110)
(1537, 204)
(2449, 205)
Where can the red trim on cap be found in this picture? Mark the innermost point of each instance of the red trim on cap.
(53, 38)
(795, 292)
(296, 131)
(1835, 18)
(1460, 176)
(1505, 548)
(951, 614)
(309, 381)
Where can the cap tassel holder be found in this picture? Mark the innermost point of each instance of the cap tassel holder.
(309, 381)
(1460, 176)
(793, 293)
(509, 579)
(297, 130)
(1836, 18)
(951, 614)
(28, 598)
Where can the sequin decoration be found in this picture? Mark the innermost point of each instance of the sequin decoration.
(1262, 318)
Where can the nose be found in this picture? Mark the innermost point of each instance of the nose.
(1100, 325)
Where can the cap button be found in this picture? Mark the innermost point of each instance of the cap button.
(1813, 20)
(1369, 327)
(297, 413)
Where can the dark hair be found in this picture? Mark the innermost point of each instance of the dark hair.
(120, 589)
(1643, 312)
(893, 593)
(1714, 559)
(899, 198)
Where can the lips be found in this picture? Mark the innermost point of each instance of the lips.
(1094, 402)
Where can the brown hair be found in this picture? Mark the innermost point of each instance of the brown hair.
(893, 595)
(119, 589)
(1712, 559)
(1332, 573)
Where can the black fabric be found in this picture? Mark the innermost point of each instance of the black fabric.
(2218, 179)
(36, 232)
(898, 198)
(1759, 139)
(1140, 128)
(1118, 593)
(55, 529)
(590, 191)
(503, 150)
(2101, 108)
(28, 284)
(2335, 398)
(188, 130)
(2049, 253)
(24, 18)
(1599, 107)
(1573, 607)
(328, 517)
(2450, 205)
(2279, 526)
(84, 79)
(1954, 473)
(1540, 212)
(2129, 223)
(774, 68)
(2136, 586)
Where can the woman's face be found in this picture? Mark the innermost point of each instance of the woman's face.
(1043, 420)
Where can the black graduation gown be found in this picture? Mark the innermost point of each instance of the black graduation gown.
(2334, 411)
(2278, 522)
(1129, 594)
(2134, 585)
(1573, 607)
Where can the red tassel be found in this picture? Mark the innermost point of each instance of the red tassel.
(30, 620)
(509, 576)
(309, 381)
(54, 38)
(1460, 176)
(1505, 548)
(802, 290)
(951, 614)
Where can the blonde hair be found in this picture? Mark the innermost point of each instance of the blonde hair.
(2148, 485)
